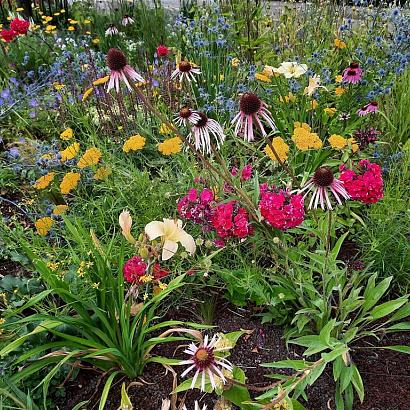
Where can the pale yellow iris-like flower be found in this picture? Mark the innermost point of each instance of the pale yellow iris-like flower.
(171, 232)
(125, 221)
(314, 84)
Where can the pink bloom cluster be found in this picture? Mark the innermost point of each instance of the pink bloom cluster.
(365, 185)
(197, 207)
(280, 208)
(133, 269)
(17, 27)
(230, 220)
(246, 172)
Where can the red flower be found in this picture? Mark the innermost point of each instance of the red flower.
(162, 50)
(246, 172)
(365, 185)
(20, 26)
(159, 272)
(134, 268)
(8, 35)
(281, 209)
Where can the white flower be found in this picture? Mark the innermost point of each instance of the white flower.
(196, 407)
(291, 69)
(125, 221)
(171, 233)
(314, 84)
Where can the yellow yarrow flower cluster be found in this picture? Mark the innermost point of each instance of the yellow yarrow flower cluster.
(339, 43)
(60, 209)
(170, 146)
(70, 152)
(90, 157)
(43, 225)
(287, 98)
(102, 173)
(69, 182)
(330, 111)
(304, 138)
(67, 134)
(338, 142)
(134, 143)
(340, 90)
(280, 147)
(44, 181)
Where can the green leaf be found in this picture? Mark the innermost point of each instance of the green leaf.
(106, 390)
(33, 301)
(338, 351)
(399, 326)
(358, 383)
(125, 400)
(388, 307)
(398, 348)
(288, 364)
(402, 313)
(373, 293)
(345, 378)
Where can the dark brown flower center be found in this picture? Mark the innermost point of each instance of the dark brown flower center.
(116, 59)
(323, 177)
(185, 112)
(250, 103)
(203, 357)
(351, 72)
(354, 64)
(185, 66)
(202, 120)
(374, 103)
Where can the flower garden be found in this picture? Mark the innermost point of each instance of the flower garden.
(204, 208)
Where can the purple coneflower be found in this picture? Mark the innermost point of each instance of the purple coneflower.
(203, 129)
(367, 109)
(111, 30)
(353, 73)
(252, 108)
(205, 362)
(186, 115)
(120, 70)
(322, 180)
(185, 70)
(127, 20)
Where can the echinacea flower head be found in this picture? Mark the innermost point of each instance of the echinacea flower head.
(171, 233)
(202, 131)
(367, 109)
(252, 111)
(127, 20)
(291, 69)
(323, 181)
(206, 363)
(187, 70)
(353, 73)
(120, 70)
(111, 30)
(186, 115)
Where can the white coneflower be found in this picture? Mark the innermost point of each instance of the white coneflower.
(252, 109)
(111, 30)
(206, 363)
(127, 20)
(185, 70)
(186, 115)
(120, 70)
(322, 181)
(202, 131)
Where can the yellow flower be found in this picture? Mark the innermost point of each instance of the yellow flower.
(134, 143)
(287, 98)
(352, 142)
(88, 32)
(339, 78)
(18, 9)
(50, 28)
(62, 11)
(71, 28)
(170, 146)
(340, 90)
(339, 43)
(69, 182)
(330, 111)
(125, 221)
(337, 141)
(101, 81)
(87, 93)
(47, 19)
(43, 225)
(44, 181)
(95, 41)
(56, 14)
(312, 105)
(70, 152)
(60, 209)
(90, 157)
(87, 21)
(304, 138)
(165, 129)
(281, 148)
(67, 134)
(102, 173)
(235, 62)
(263, 77)
(96, 285)
(71, 21)
(58, 86)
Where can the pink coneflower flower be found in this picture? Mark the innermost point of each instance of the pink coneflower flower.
(367, 109)
(186, 115)
(185, 70)
(353, 73)
(120, 70)
(111, 30)
(205, 362)
(252, 109)
(127, 20)
(322, 181)
(203, 129)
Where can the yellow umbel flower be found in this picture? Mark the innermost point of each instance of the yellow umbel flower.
(90, 157)
(165, 129)
(340, 90)
(70, 152)
(102, 80)
(330, 111)
(102, 173)
(281, 148)
(339, 43)
(43, 225)
(69, 182)
(304, 138)
(67, 134)
(87, 93)
(337, 141)
(44, 181)
(134, 143)
(60, 209)
(170, 146)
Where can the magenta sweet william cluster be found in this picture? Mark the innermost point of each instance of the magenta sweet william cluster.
(280, 208)
(197, 207)
(18, 27)
(365, 184)
(134, 268)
